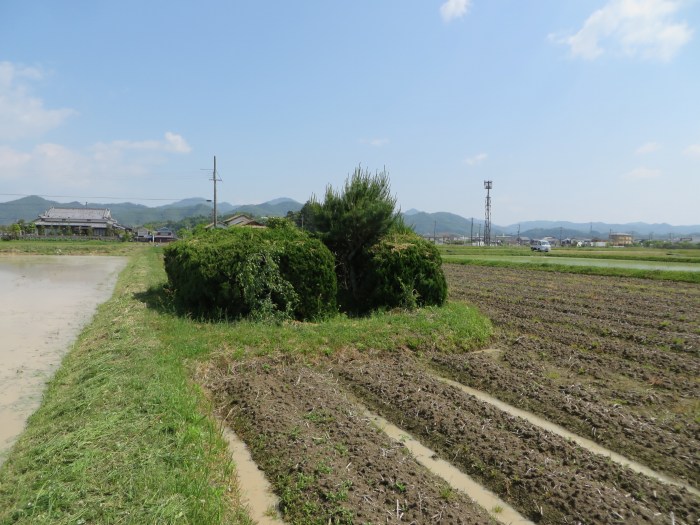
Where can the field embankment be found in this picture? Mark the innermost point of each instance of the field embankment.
(75, 247)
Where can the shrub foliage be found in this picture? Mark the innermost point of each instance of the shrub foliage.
(405, 271)
(274, 273)
(380, 263)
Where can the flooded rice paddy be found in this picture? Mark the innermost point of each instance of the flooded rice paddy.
(44, 303)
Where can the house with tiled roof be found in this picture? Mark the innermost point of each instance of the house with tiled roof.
(94, 222)
(238, 219)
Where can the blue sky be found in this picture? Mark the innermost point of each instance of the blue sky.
(580, 110)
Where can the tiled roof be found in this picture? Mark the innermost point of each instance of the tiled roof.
(78, 213)
(240, 220)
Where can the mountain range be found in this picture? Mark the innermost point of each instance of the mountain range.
(129, 214)
(439, 223)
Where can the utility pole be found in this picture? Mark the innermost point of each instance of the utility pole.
(471, 234)
(434, 232)
(214, 178)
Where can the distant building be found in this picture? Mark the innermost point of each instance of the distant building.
(93, 222)
(143, 235)
(164, 235)
(621, 239)
(237, 220)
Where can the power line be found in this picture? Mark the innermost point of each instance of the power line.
(83, 197)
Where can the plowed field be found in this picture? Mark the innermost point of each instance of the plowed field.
(614, 360)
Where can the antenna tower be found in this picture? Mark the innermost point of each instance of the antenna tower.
(487, 223)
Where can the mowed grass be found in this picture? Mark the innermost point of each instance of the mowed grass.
(492, 257)
(621, 254)
(124, 435)
(73, 247)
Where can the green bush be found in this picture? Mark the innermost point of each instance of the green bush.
(349, 221)
(405, 271)
(273, 273)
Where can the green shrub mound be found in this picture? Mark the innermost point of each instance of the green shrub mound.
(404, 271)
(274, 273)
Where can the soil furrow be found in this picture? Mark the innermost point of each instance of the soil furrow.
(326, 461)
(545, 477)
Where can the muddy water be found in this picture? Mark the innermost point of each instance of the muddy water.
(256, 491)
(589, 445)
(44, 303)
(457, 479)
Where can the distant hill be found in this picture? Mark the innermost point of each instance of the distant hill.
(450, 224)
(26, 208)
(129, 214)
(442, 223)
(603, 229)
(276, 208)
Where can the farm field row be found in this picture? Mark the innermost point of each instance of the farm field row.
(627, 253)
(614, 360)
(582, 261)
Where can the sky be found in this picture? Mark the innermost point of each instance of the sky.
(577, 110)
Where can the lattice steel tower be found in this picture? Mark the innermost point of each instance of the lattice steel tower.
(487, 224)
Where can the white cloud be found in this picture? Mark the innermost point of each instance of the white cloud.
(645, 29)
(693, 150)
(377, 143)
(21, 114)
(11, 160)
(176, 143)
(642, 174)
(58, 169)
(476, 159)
(649, 147)
(44, 165)
(173, 143)
(454, 9)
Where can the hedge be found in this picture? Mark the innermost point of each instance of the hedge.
(404, 270)
(277, 273)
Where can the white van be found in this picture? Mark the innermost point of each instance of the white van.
(541, 246)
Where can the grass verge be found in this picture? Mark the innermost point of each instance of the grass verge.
(661, 275)
(620, 254)
(77, 247)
